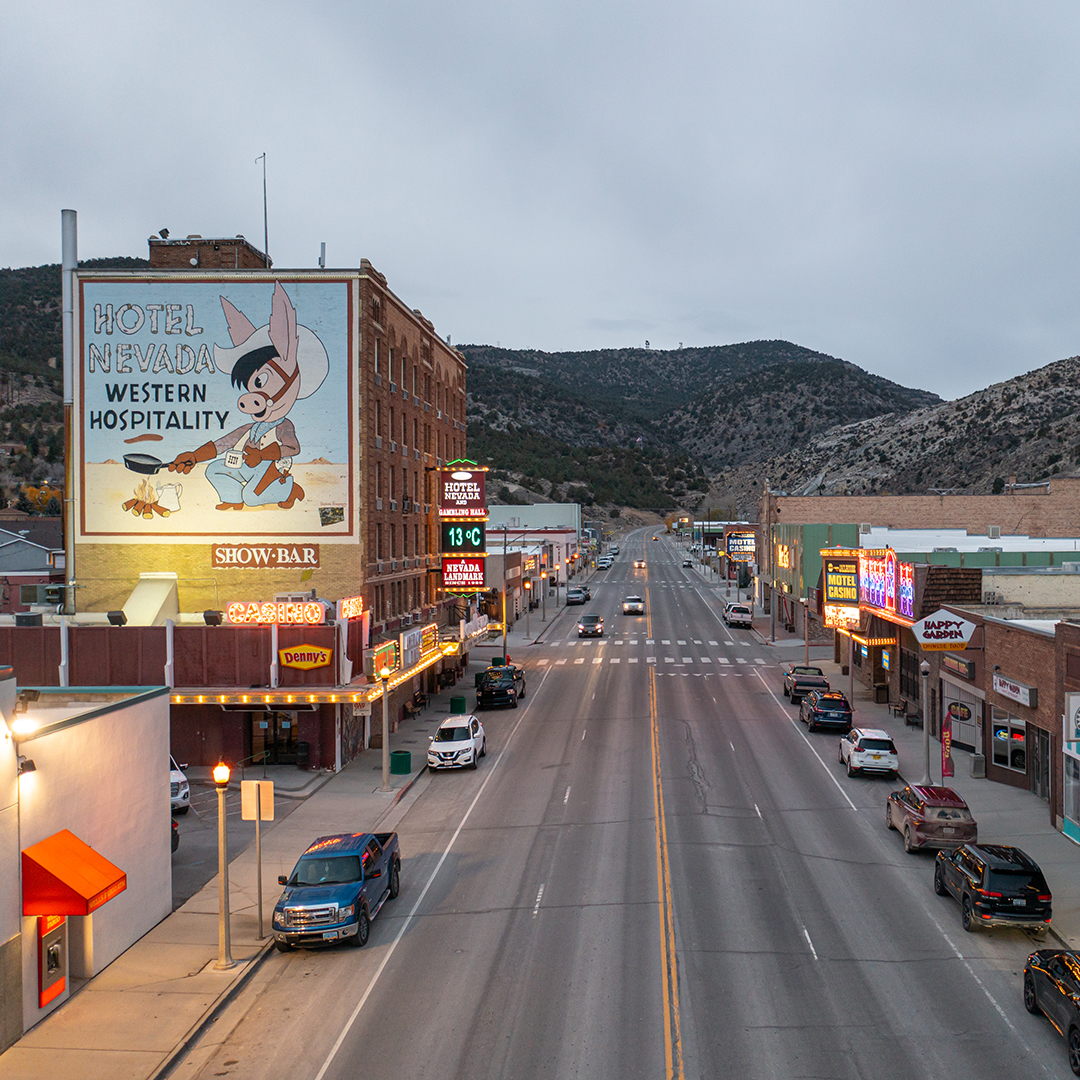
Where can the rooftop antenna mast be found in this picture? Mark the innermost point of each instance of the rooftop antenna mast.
(266, 233)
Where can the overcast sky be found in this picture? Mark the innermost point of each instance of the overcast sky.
(892, 183)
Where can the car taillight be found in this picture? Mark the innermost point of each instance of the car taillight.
(1045, 897)
(986, 892)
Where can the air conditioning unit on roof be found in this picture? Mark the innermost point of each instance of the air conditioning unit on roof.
(865, 528)
(993, 532)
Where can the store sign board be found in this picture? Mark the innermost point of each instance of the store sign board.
(963, 668)
(305, 657)
(462, 537)
(740, 546)
(264, 556)
(305, 613)
(1016, 691)
(885, 583)
(840, 617)
(351, 607)
(943, 631)
(411, 641)
(841, 579)
(461, 493)
(463, 575)
(1070, 726)
(382, 656)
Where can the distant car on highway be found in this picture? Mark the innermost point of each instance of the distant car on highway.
(827, 709)
(800, 679)
(590, 626)
(738, 615)
(575, 596)
(639, 564)
(865, 750)
(614, 549)
(996, 885)
(688, 562)
(603, 563)
(1052, 987)
(930, 817)
(633, 605)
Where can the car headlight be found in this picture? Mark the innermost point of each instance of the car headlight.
(279, 919)
(346, 912)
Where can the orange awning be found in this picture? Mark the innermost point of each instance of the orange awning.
(64, 876)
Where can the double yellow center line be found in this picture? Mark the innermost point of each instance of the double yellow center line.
(669, 972)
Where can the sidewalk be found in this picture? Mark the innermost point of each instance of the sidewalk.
(135, 1019)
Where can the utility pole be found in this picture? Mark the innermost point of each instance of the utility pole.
(266, 230)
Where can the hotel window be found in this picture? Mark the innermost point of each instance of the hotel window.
(378, 542)
(377, 371)
(393, 541)
(393, 487)
(378, 480)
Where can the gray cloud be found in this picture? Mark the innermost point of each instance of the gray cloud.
(893, 184)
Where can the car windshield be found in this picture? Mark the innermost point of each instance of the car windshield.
(1014, 881)
(633, 600)
(591, 619)
(947, 813)
(452, 734)
(799, 670)
(326, 871)
(878, 744)
(497, 678)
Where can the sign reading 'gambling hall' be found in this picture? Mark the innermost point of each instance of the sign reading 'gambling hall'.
(461, 491)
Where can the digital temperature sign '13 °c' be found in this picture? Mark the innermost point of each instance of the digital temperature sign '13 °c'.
(463, 536)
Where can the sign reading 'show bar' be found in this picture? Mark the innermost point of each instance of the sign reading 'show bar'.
(264, 556)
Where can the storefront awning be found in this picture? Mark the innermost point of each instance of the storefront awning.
(62, 875)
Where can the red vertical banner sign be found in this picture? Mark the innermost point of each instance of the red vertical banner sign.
(946, 746)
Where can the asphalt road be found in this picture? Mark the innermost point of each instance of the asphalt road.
(655, 872)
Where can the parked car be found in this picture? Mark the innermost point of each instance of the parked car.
(865, 750)
(614, 549)
(336, 888)
(825, 709)
(738, 615)
(930, 817)
(575, 595)
(996, 885)
(688, 563)
(458, 743)
(500, 686)
(633, 605)
(590, 626)
(1052, 987)
(175, 834)
(799, 680)
(179, 790)
(639, 564)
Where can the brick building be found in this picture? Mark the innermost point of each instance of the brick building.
(206, 253)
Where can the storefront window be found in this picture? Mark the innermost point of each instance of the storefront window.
(909, 675)
(1071, 796)
(1008, 736)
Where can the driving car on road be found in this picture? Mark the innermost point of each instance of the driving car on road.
(688, 563)
(639, 564)
(800, 679)
(633, 605)
(614, 549)
(996, 885)
(500, 686)
(458, 743)
(738, 615)
(656, 537)
(930, 817)
(1052, 987)
(865, 750)
(575, 595)
(825, 709)
(590, 626)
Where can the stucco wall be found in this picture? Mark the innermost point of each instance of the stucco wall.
(107, 780)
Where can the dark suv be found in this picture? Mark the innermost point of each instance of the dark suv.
(500, 686)
(1052, 987)
(825, 709)
(931, 817)
(996, 885)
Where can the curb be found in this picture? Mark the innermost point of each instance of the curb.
(211, 1016)
(399, 794)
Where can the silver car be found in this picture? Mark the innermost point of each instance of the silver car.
(633, 605)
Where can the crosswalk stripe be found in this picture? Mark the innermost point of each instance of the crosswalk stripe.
(615, 659)
(740, 660)
(758, 660)
(560, 661)
(632, 660)
(665, 642)
(580, 660)
(598, 660)
(542, 660)
(680, 642)
(714, 642)
(706, 659)
(724, 660)
(687, 659)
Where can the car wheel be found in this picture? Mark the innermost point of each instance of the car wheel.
(282, 946)
(395, 880)
(1030, 1001)
(840, 752)
(888, 816)
(363, 931)
(1074, 1050)
(181, 810)
(483, 747)
(786, 694)
(472, 764)
(522, 694)
(909, 847)
(431, 768)
(810, 725)
(513, 703)
(939, 882)
(967, 915)
(850, 770)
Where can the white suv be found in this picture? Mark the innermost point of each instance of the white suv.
(868, 750)
(179, 791)
(458, 743)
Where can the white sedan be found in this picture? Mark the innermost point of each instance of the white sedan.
(458, 743)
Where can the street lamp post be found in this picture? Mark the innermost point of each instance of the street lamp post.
(924, 671)
(543, 596)
(224, 960)
(806, 626)
(384, 675)
(527, 586)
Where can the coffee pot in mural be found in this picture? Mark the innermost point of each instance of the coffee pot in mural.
(168, 496)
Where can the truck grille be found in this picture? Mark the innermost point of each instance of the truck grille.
(313, 916)
(174, 789)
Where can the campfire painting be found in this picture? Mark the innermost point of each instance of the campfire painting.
(145, 503)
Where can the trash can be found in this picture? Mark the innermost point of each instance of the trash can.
(458, 705)
(303, 755)
(401, 762)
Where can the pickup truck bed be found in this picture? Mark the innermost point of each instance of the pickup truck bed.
(337, 887)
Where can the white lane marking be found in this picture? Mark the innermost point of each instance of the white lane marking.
(597, 659)
(580, 660)
(696, 642)
(714, 642)
(740, 660)
(730, 743)
(758, 660)
(723, 660)
(634, 642)
(540, 896)
(566, 797)
(542, 660)
(583, 734)
(424, 891)
(650, 659)
(618, 643)
(756, 810)
(802, 734)
(806, 934)
(680, 642)
(616, 660)
(649, 641)
(687, 659)
(665, 642)
(632, 660)
(706, 659)
(563, 661)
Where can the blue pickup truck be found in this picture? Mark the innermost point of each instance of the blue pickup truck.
(339, 885)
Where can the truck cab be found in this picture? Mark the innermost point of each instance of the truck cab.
(337, 887)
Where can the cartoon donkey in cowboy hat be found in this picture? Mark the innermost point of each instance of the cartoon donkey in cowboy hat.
(273, 366)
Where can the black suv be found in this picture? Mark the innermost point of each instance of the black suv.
(1052, 987)
(825, 709)
(500, 686)
(996, 885)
